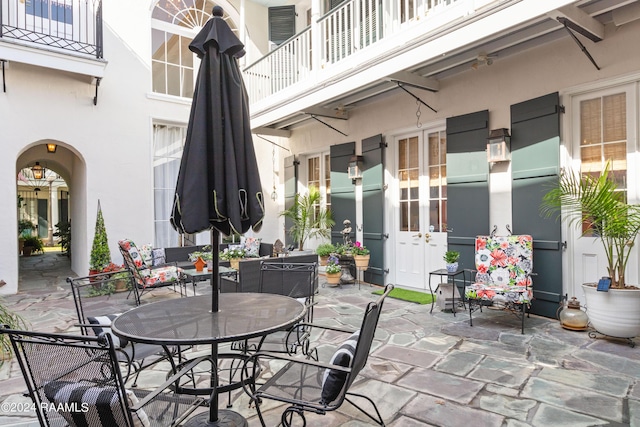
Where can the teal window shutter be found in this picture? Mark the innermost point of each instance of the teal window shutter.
(282, 23)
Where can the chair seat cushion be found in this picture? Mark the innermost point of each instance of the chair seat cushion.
(164, 274)
(87, 405)
(503, 293)
(333, 380)
(103, 326)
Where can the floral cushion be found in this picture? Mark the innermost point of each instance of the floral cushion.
(504, 265)
(165, 274)
(149, 276)
(251, 247)
(129, 246)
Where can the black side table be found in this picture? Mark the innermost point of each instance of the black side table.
(451, 277)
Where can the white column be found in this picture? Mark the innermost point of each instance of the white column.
(316, 39)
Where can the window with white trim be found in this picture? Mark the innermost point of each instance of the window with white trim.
(174, 25)
(168, 142)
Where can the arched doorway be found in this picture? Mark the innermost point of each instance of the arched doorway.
(47, 172)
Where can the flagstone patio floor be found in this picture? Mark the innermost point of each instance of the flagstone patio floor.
(424, 369)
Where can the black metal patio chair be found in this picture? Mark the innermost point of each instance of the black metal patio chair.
(97, 305)
(296, 280)
(80, 377)
(315, 386)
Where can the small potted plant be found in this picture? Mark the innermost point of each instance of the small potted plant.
(451, 258)
(233, 256)
(323, 251)
(333, 270)
(32, 244)
(121, 280)
(361, 256)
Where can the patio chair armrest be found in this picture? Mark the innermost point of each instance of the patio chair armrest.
(172, 379)
(251, 366)
(325, 327)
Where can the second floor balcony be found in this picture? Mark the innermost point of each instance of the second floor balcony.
(362, 48)
(59, 34)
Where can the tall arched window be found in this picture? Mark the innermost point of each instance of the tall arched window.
(174, 23)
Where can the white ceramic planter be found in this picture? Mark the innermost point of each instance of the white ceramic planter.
(615, 313)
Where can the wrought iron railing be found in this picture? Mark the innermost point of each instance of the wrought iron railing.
(348, 28)
(70, 25)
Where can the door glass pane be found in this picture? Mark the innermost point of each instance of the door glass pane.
(409, 184)
(437, 179)
(404, 218)
(603, 138)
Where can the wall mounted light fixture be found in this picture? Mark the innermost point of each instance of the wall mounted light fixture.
(354, 169)
(51, 148)
(499, 146)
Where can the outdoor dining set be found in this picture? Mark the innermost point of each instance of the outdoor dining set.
(92, 378)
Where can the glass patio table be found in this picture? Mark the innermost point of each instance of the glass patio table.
(190, 321)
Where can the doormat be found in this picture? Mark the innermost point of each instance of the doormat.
(407, 295)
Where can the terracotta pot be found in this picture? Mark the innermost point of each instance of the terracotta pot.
(234, 263)
(121, 285)
(323, 260)
(333, 278)
(362, 261)
(199, 264)
(26, 250)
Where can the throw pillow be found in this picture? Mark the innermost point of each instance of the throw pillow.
(158, 256)
(146, 254)
(82, 405)
(252, 247)
(333, 380)
(103, 326)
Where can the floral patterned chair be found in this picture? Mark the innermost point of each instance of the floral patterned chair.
(147, 276)
(503, 272)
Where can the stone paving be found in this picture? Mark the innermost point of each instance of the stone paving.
(424, 369)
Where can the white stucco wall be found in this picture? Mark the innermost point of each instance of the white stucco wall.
(559, 66)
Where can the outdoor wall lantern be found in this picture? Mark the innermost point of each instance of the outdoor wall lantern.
(354, 169)
(38, 171)
(51, 148)
(499, 146)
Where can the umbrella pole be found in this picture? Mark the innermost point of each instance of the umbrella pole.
(215, 277)
(215, 418)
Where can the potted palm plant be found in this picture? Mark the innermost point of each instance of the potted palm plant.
(308, 218)
(599, 208)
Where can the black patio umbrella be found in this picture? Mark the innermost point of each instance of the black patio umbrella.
(218, 185)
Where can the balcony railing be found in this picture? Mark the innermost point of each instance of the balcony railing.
(352, 26)
(70, 25)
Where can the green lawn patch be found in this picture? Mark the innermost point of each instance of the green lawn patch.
(407, 295)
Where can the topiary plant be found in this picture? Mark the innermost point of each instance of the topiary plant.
(100, 253)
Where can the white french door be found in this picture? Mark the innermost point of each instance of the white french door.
(419, 225)
(604, 125)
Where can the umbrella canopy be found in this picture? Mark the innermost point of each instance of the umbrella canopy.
(218, 184)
